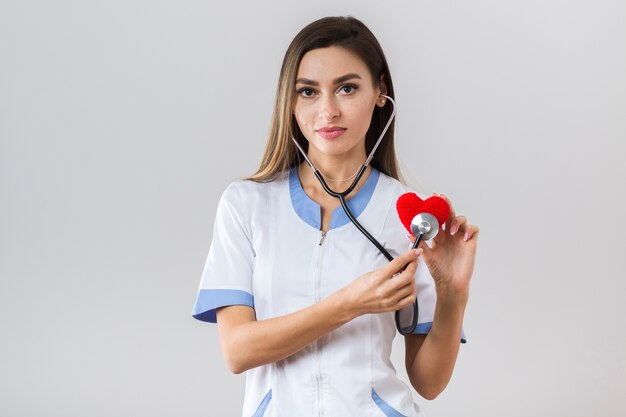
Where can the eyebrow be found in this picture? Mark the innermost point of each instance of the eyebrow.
(339, 80)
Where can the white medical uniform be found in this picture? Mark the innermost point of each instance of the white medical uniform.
(268, 253)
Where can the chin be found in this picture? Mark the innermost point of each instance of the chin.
(332, 149)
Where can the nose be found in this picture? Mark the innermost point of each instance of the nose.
(329, 108)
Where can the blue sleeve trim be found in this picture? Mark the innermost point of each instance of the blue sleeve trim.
(210, 300)
(424, 328)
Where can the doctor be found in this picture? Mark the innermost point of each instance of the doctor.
(304, 303)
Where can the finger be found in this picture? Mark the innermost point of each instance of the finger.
(408, 290)
(399, 263)
(426, 250)
(409, 271)
(406, 301)
(401, 285)
(407, 275)
(401, 282)
(456, 223)
(470, 232)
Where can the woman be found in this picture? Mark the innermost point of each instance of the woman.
(303, 301)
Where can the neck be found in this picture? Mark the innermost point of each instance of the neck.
(338, 171)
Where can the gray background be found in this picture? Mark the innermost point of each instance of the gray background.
(121, 123)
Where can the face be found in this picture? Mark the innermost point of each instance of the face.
(335, 101)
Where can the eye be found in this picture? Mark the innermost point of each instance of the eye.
(349, 88)
(306, 92)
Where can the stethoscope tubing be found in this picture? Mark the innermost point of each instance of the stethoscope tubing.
(344, 204)
(342, 198)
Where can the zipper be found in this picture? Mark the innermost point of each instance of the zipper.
(319, 343)
(322, 238)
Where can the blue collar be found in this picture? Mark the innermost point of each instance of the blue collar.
(309, 211)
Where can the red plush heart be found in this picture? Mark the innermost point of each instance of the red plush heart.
(410, 205)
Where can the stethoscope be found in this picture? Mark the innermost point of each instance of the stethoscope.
(422, 226)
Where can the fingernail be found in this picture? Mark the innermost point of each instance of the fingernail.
(453, 229)
(466, 236)
(419, 251)
(443, 226)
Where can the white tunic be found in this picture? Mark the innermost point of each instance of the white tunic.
(268, 253)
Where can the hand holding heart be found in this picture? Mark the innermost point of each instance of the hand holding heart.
(450, 258)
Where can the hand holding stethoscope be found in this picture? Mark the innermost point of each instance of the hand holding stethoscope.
(450, 258)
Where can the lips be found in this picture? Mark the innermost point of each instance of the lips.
(330, 132)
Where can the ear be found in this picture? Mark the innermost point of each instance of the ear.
(382, 86)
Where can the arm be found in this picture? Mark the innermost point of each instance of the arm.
(248, 343)
(430, 358)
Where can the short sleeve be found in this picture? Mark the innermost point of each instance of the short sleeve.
(227, 274)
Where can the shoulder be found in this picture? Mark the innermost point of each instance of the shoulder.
(244, 189)
(244, 196)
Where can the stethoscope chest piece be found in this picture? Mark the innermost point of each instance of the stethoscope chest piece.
(426, 225)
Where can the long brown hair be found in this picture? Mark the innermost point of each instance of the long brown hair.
(347, 32)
